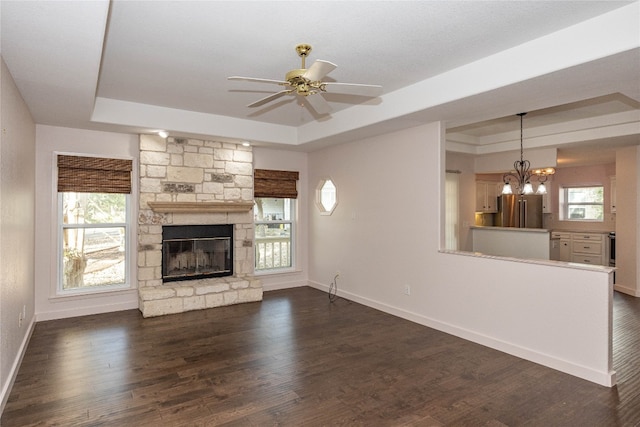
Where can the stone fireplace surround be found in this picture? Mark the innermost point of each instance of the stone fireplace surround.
(194, 182)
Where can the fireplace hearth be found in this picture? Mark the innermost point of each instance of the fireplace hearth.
(196, 252)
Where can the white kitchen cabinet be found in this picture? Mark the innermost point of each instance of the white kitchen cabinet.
(487, 196)
(585, 248)
(565, 250)
(588, 248)
(565, 245)
(612, 196)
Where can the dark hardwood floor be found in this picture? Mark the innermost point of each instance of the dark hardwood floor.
(296, 359)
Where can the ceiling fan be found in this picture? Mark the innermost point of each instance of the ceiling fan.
(308, 82)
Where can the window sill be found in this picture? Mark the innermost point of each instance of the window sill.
(276, 271)
(93, 293)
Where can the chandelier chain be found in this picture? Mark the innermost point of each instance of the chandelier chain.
(522, 173)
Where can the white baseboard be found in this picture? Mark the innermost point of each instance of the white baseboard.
(11, 378)
(284, 285)
(625, 290)
(86, 311)
(607, 379)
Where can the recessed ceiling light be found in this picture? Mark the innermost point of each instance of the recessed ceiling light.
(246, 144)
(163, 134)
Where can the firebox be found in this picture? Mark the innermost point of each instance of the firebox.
(196, 251)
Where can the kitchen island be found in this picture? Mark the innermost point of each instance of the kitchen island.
(527, 243)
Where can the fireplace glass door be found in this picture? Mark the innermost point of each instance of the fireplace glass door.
(187, 258)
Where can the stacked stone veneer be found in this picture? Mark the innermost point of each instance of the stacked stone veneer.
(189, 170)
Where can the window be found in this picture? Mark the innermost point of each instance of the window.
(274, 230)
(94, 244)
(275, 194)
(326, 196)
(93, 224)
(583, 203)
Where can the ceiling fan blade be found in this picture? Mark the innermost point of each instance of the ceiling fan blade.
(318, 103)
(270, 98)
(353, 89)
(254, 79)
(318, 70)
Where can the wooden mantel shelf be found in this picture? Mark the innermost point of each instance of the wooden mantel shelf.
(201, 207)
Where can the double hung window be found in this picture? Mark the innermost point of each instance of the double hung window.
(93, 224)
(274, 231)
(274, 212)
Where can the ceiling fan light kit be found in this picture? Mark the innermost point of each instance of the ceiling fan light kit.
(308, 82)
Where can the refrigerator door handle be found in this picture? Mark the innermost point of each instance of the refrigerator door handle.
(523, 212)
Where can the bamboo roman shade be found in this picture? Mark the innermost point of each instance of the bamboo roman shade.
(272, 183)
(94, 174)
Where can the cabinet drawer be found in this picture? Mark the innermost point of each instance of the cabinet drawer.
(586, 236)
(586, 247)
(586, 259)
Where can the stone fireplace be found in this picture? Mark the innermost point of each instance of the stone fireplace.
(201, 184)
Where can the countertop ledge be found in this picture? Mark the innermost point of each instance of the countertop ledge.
(574, 265)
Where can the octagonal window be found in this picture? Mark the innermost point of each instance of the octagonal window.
(326, 197)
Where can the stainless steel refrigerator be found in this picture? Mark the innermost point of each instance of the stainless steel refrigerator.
(519, 211)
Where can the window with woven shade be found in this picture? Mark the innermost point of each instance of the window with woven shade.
(275, 194)
(94, 223)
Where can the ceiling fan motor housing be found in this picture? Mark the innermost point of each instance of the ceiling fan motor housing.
(302, 85)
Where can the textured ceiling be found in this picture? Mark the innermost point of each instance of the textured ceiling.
(179, 54)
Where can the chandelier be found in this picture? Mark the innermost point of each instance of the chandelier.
(522, 174)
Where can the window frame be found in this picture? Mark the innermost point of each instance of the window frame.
(320, 192)
(61, 226)
(564, 195)
(293, 209)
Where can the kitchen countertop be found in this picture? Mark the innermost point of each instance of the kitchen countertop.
(512, 229)
(556, 230)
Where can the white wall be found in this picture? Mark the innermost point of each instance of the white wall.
(17, 195)
(386, 233)
(49, 141)
(628, 212)
(265, 158)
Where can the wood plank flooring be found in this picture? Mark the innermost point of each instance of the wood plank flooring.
(296, 359)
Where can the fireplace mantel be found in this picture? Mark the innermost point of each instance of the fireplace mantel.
(200, 207)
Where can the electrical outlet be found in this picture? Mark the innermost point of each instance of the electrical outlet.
(407, 290)
(338, 273)
(20, 320)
